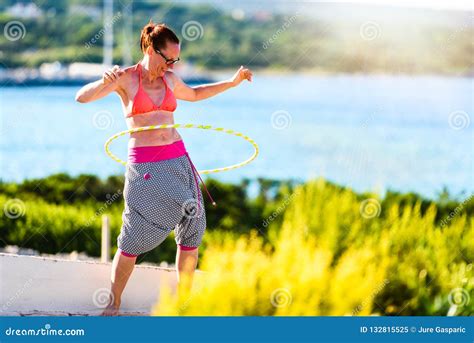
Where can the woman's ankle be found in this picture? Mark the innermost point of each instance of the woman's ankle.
(114, 301)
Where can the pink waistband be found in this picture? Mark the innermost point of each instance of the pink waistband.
(155, 153)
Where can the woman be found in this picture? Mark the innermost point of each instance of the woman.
(161, 190)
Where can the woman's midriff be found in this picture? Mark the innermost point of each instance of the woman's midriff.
(152, 137)
(154, 145)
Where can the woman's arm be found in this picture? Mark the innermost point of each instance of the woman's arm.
(110, 81)
(184, 92)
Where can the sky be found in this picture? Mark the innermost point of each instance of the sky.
(464, 5)
(432, 4)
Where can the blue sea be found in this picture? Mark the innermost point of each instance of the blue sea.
(371, 133)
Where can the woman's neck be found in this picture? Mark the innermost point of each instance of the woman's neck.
(146, 73)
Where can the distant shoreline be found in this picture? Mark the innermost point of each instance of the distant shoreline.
(65, 82)
(216, 75)
(321, 72)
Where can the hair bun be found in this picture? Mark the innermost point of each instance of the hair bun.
(156, 35)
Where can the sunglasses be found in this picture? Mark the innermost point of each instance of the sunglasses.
(168, 61)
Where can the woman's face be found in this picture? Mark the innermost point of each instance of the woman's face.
(158, 64)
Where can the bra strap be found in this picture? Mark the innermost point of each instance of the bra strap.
(139, 74)
(166, 84)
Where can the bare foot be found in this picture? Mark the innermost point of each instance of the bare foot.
(111, 310)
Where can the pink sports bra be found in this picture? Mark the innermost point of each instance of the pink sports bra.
(142, 103)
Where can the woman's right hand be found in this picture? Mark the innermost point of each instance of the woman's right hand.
(100, 88)
(112, 75)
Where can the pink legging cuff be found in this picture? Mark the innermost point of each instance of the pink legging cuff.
(127, 254)
(183, 247)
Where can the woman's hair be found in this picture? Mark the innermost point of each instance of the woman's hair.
(157, 35)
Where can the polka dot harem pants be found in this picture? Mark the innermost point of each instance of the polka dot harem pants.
(161, 196)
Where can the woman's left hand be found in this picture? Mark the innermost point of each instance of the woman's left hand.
(240, 75)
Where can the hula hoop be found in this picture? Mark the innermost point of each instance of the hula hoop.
(187, 126)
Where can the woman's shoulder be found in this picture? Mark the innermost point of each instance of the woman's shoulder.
(130, 70)
(129, 75)
(128, 79)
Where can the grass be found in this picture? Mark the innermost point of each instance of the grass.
(336, 254)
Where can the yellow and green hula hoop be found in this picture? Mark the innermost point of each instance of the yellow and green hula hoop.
(187, 126)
